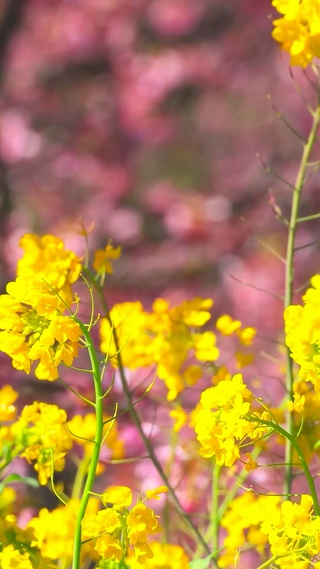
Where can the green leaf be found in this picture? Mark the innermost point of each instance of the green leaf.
(12, 478)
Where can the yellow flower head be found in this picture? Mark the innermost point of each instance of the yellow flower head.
(53, 532)
(220, 420)
(156, 492)
(11, 558)
(165, 337)
(164, 556)
(33, 328)
(46, 260)
(103, 258)
(119, 496)
(8, 397)
(42, 433)
(298, 30)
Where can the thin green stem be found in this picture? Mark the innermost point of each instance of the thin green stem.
(147, 443)
(80, 477)
(268, 563)
(235, 488)
(96, 445)
(289, 274)
(215, 521)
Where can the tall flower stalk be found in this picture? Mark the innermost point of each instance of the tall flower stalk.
(289, 277)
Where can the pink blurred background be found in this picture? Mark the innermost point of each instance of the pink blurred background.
(146, 116)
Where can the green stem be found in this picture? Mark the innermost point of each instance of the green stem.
(235, 488)
(96, 446)
(80, 476)
(294, 444)
(147, 443)
(215, 521)
(289, 274)
(268, 563)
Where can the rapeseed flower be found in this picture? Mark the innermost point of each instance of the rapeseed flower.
(33, 328)
(293, 533)
(42, 435)
(103, 258)
(118, 530)
(165, 337)
(8, 397)
(165, 556)
(221, 423)
(242, 524)
(298, 30)
(32, 321)
(302, 328)
(11, 558)
(46, 260)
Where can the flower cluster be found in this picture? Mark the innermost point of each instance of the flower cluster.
(15, 542)
(11, 557)
(167, 337)
(117, 530)
(43, 438)
(302, 328)
(53, 532)
(221, 420)
(306, 406)
(293, 534)
(32, 324)
(166, 556)
(245, 335)
(45, 260)
(242, 522)
(298, 30)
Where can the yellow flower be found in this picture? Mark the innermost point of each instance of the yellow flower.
(7, 497)
(226, 325)
(28, 334)
(246, 335)
(11, 558)
(45, 260)
(250, 464)
(298, 31)
(141, 521)
(155, 493)
(220, 420)
(7, 397)
(102, 262)
(242, 524)
(302, 328)
(119, 496)
(42, 433)
(53, 532)
(297, 404)
(165, 556)
(242, 360)
(104, 521)
(109, 547)
(205, 346)
(166, 337)
(180, 418)
(291, 527)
